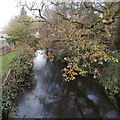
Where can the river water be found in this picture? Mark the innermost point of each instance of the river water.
(50, 97)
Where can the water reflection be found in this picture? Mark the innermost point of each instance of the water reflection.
(52, 98)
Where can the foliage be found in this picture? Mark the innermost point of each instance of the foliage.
(90, 58)
(82, 54)
(21, 69)
(71, 43)
(110, 79)
(5, 60)
(22, 64)
(20, 28)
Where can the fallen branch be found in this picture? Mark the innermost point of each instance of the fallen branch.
(6, 77)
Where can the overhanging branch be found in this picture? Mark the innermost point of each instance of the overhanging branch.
(106, 19)
(93, 8)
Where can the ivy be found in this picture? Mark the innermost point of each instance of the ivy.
(21, 70)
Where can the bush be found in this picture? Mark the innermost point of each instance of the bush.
(110, 79)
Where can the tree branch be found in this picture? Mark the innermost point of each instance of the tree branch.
(93, 8)
(36, 9)
(6, 77)
(103, 20)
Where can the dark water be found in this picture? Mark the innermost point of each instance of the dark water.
(50, 97)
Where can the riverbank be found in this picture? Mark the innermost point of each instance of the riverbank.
(5, 61)
(20, 70)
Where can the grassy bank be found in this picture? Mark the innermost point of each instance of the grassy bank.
(7, 58)
(5, 61)
(21, 67)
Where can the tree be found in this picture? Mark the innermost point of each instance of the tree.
(117, 39)
(23, 12)
(21, 28)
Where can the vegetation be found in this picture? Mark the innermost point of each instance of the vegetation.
(5, 61)
(83, 56)
(87, 46)
(19, 63)
(21, 69)
(110, 79)
(21, 28)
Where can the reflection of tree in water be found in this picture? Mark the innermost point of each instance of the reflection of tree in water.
(53, 98)
(68, 99)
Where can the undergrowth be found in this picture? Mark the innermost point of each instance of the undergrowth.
(18, 80)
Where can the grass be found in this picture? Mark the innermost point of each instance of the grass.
(5, 61)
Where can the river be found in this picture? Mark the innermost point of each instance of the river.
(51, 97)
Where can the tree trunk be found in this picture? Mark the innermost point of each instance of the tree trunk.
(117, 37)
